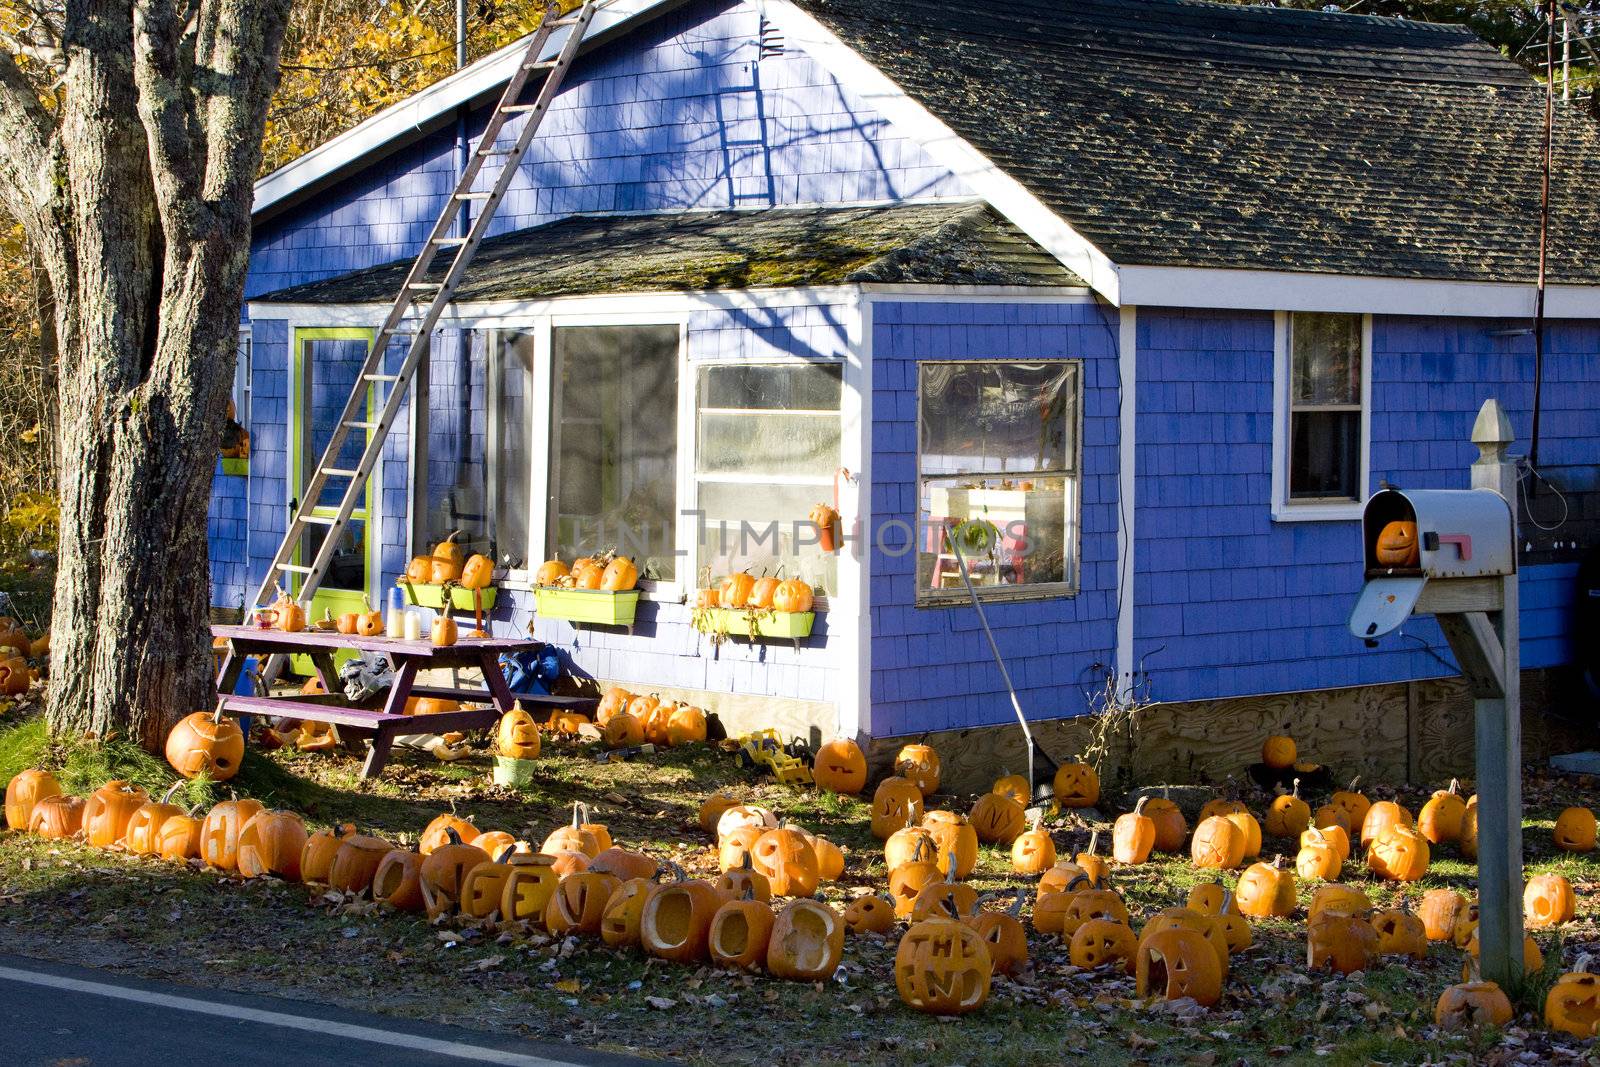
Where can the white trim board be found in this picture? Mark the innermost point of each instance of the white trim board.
(1283, 508)
(1127, 452)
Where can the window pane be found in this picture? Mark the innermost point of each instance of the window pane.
(615, 444)
(328, 370)
(456, 481)
(994, 417)
(1013, 532)
(791, 387)
(1325, 456)
(1327, 359)
(768, 443)
(771, 543)
(512, 456)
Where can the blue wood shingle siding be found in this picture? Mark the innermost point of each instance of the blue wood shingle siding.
(227, 531)
(679, 115)
(931, 668)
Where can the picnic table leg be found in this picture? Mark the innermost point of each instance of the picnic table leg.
(378, 753)
(383, 736)
(327, 674)
(495, 682)
(228, 677)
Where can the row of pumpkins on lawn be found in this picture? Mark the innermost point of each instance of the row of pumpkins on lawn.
(624, 719)
(16, 649)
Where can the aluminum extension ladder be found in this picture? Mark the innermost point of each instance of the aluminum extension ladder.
(437, 294)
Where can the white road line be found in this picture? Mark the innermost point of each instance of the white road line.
(457, 1049)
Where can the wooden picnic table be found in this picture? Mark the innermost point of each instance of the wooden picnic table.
(406, 658)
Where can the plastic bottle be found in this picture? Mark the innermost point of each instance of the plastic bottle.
(413, 626)
(397, 614)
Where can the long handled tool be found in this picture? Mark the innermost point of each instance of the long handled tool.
(1041, 768)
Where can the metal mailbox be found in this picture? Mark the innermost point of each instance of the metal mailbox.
(1463, 537)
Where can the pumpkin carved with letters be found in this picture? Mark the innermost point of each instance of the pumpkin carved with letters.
(942, 966)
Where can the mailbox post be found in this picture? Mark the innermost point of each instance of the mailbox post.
(1463, 570)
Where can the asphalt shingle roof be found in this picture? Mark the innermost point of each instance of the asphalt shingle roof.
(946, 243)
(1183, 133)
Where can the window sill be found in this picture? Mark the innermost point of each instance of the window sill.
(957, 599)
(1337, 511)
(660, 592)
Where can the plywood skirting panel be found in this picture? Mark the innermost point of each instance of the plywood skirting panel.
(1419, 731)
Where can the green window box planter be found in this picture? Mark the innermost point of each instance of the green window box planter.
(236, 466)
(428, 595)
(783, 624)
(597, 607)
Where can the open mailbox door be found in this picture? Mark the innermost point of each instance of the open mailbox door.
(1449, 537)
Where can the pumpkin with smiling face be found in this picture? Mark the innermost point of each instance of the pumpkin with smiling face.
(840, 766)
(1077, 786)
(1397, 545)
(1573, 1004)
(919, 764)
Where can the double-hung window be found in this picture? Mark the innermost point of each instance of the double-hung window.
(1321, 415)
(999, 457)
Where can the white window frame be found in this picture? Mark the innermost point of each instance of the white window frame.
(1072, 534)
(1285, 508)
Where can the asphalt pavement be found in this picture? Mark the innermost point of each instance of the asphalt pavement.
(58, 1016)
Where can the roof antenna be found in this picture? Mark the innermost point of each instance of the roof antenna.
(1544, 234)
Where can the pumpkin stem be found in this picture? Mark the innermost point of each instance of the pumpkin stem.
(1138, 808)
(1455, 786)
(749, 890)
(1277, 862)
(505, 857)
(1072, 885)
(1351, 788)
(166, 798)
(950, 869)
(1296, 792)
(450, 832)
(1227, 901)
(950, 906)
(576, 824)
(747, 864)
(1094, 841)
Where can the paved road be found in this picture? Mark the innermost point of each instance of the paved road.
(57, 1016)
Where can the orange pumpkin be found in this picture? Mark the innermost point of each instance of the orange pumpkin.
(24, 791)
(477, 572)
(1077, 785)
(447, 560)
(919, 764)
(1279, 752)
(735, 590)
(1399, 853)
(1575, 830)
(840, 766)
(1440, 818)
(201, 744)
(1267, 890)
(895, 802)
(1217, 844)
(762, 592)
(620, 575)
(550, 572)
(1397, 545)
(1133, 835)
(793, 595)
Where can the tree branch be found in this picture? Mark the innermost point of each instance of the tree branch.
(166, 109)
(27, 131)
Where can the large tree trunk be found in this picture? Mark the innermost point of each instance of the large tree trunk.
(142, 222)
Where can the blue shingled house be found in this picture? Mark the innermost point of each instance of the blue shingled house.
(1160, 289)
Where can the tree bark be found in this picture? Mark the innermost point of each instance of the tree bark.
(138, 204)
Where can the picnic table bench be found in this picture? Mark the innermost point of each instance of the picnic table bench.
(405, 658)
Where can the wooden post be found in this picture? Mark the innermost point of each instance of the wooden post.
(1499, 739)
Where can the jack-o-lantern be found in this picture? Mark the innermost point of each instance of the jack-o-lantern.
(1400, 933)
(942, 966)
(1288, 815)
(576, 836)
(219, 833)
(905, 845)
(1466, 926)
(1319, 857)
(943, 898)
(24, 791)
(619, 924)
(830, 857)
(1093, 865)
(316, 858)
(734, 848)
(476, 572)
(444, 871)
(1532, 957)
(1381, 816)
(1033, 852)
(438, 832)
(1003, 934)
(919, 764)
(686, 725)
(495, 842)
(612, 702)
(1267, 890)
(517, 736)
(1331, 815)
(793, 596)
(178, 840)
(1338, 899)
(743, 880)
(761, 593)
(105, 817)
(1250, 828)
(1573, 1004)
(143, 836)
(1177, 963)
(908, 880)
(272, 843)
(1354, 802)
(397, 881)
(1335, 835)
(741, 930)
(1397, 545)
(712, 807)
(1050, 910)
(483, 888)
(56, 816)
(1014, 786)
(1098, 942)
(1548, 901)
(869, 915)
(896, 802)
(529, 887)
(621, 862)
(448, 560)
(807, 942)
(745, 815)
(1221, 806)
(1061, 877)
(1207, 926)
(1439, 911)
(1172, 829)
(955, 841)
(622, 731)
(201, 744)
(1133, 835)
(578, 904)
(355, 862)
(1077, 786)
(840, 766)
(1279, 752)
(1472, 1004)
(1092, 904)
(997, 818)
(1575, 830)
(788, 861)
(1218, 844)
(1344, 943)
(1440, 818)
(1399, 853)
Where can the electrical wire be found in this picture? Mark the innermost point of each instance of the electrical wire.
(1525, 471)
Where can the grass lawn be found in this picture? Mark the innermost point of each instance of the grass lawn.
(67, 902)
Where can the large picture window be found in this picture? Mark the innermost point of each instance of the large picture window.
(1320, 465)
(767, 447)
(999, 472)
(614, 445)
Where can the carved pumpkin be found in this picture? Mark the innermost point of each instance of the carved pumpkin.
(1381, 816)
(919, 764)
(1221, 806)
(676, 922)
(1093, 865)
(1400, 933)
(826, 519)
(1251, 829)
(1344, 943)
(997, 819)
(106, 814)
(830, 858)
(745, 815)
(1004, 936)
(1133, 835)
(143, 835)
(788, 861)
(1172, 829)
(1573, 1004)
(1288, 816)
(178, 840)
(1092, 904)
(483, 888)
(447, 560)
(1575, 830)
(397, 881)
(1050, 910)
(807, 942)
(517, 736)
(1236, 928)
(895, 802)
(1334, 835)
(1440, 910)
(477, 572)
(1354, 802)
(741, 931)
(1177, 963)
(793, 595)
(578, 905)
(1218, 844)
(735, 846)
(56, 816)
(947, 897)
(624, 864)
(1319, 856)
(1332, 815)
(529, 887)
(200, 744)
(439, 831)
(316, 858)
(1279, 752)
(1548, 901)
(219, 833)
(744, 880)
(620, 575)
(1014, 786)
(550, 573)
(444, 632)
(443, 874)
(869, 915)
(1470, 1005)
(1440, 818)
(1077, 786)
(1397, 545)
(1098, 942)
(24, 791)
(1034, 852)
(355, 862)
(1466, 926)
(955, 842)
(840, 766)
(272, 843)
(1267, 890)
(1398, 853)
(1532, 958)
(614, 700)
(291, 614)
(369, 623)
(907, 881)
(1060, 878)
(622, 730)
(735, 590)
(1207, 926)
(943, 967)
(686, 726)
(586, 574)
(419, 569)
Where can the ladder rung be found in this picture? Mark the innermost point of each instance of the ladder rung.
(295, 568)
(362, 425)
(424, 285)
(473, 196)
(566, 20)
(518, 109)
(381, 377)
(449, 242)
(541, 64)
(339, 472)
(319, 520)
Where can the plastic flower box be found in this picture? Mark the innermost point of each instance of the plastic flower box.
(428, 595)
(781, 624)
(598, 607)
